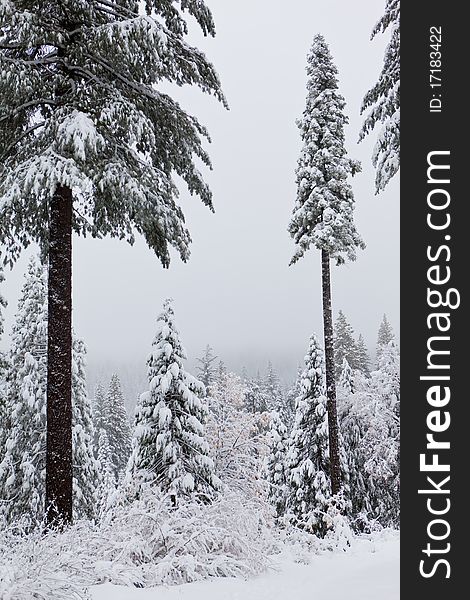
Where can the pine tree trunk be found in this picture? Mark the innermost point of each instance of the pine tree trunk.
(59, 362)
(333, 434)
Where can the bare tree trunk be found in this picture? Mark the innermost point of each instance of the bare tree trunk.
(335, 467)
(59, 362)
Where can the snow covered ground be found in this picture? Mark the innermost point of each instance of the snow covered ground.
(369, 571)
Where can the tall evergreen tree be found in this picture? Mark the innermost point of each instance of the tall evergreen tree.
(169, 445)
(323, 212)
(384, 337)
(22, 470)
(278, 439)
(89, 144)
(382, 101)
(206, 370)
(86, 473)
(345, 346)
(116, 423)
(309, 484)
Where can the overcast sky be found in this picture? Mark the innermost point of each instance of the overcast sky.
(237, 292)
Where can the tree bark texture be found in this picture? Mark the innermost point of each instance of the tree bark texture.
(333, 431)
(59, 362)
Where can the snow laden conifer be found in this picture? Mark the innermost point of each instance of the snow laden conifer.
(346, 380)
(382, 102)
(309, 492)
(116, 423)
(108, 481)
(345, 346)
(206, 369)
(256, 397)
(370, 424)
(22, 469)
(382, 440)
(292, 394)
(362, 356)
(273, 390)
(169, 445)
(86, 473)
(278, 439)
(323, 215)
(90, 143)
(384, 337)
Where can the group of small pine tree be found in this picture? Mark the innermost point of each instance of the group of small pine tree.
(168, 447)
(187, 431)
(298, 463)
(347, 347)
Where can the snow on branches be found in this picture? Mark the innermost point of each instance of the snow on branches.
(323, 211)
(382, 101)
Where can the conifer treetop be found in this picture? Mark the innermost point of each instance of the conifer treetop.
(323, 211)
(385, 333)
(79, 107)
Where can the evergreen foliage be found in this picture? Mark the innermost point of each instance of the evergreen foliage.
(323, 211)
(169, 445)
(382, 101)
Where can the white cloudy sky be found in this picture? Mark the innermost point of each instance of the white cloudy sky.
(237, 292)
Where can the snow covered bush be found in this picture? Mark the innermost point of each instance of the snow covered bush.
(370, 423)
(236, 437)
(146, 543)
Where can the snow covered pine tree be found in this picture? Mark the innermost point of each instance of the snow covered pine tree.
(88, 144)
(206, 370)
(22, 468)
(276, 463)
(323, 212)
(385, 335)
(309, 488)
(86, 471)
(169, 446)
(383, 102)
(344, 344)
(116, 423)
(362, 356)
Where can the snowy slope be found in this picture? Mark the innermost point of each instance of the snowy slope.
(370, 571)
